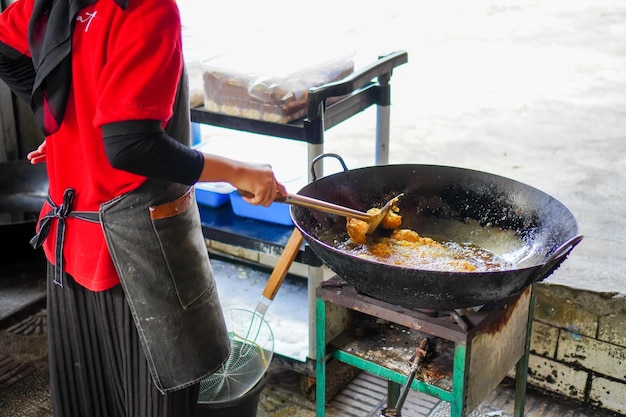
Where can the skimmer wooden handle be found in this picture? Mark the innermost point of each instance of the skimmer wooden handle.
(282, 266)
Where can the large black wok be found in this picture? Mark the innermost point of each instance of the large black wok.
(23, 190)
(520, 223)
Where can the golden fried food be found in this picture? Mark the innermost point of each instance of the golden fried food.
(405, 247)
(357, 230)
(381, 250)
(425, 253)
(392, 219)
(409, 235)
(461, 265)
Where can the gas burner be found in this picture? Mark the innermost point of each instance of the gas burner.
(456, 317)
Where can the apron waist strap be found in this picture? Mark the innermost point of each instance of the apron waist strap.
(60, 212)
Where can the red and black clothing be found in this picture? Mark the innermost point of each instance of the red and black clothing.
(105, 116)
(126, 65)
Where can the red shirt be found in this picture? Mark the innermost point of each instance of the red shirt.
(126, 66)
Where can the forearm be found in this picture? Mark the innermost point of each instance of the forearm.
(220, 169)
(145, 149)
(141, 147)
(256, 179)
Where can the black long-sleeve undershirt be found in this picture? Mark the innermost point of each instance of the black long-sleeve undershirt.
(17, 71)
(145, 149)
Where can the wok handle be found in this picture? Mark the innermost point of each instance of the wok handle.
(557, 257)
(326, 155)
(282, 266)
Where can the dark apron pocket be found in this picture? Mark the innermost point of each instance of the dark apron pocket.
(172, 222)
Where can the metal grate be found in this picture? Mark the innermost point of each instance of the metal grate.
(12, 372)
(366, 395)
(33, 325)
(24, 345)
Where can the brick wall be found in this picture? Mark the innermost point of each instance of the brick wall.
(578, 346)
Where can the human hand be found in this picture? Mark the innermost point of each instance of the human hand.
(257, 184)
(38, 155)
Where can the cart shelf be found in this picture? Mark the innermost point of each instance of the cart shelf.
(220, 224)
(360, 90)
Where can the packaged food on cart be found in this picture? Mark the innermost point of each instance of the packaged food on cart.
(266, 86)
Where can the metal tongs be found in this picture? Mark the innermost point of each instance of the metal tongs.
(373, 220)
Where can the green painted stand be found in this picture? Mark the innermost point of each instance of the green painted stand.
(486, 346)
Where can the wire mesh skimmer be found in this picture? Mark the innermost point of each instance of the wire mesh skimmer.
(251, 338)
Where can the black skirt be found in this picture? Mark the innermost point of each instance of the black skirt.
(97, 365)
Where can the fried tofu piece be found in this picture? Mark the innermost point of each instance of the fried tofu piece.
(357, 230)
(405, 234)
(392, 220)
(461, 265)
(409, 235)
(381, 250)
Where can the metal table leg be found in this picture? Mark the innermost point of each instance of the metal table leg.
(521, 369)
(320, 358)
(382, 134)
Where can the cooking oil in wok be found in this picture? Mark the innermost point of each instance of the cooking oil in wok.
(412, 251)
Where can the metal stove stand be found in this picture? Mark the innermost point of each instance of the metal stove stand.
(468, 357)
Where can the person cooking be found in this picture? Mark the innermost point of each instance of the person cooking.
(134, 319)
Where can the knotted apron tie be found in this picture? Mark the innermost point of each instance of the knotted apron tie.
(60, 212)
